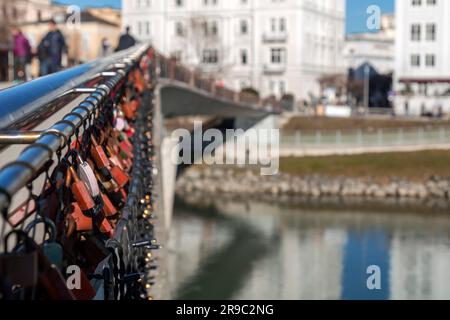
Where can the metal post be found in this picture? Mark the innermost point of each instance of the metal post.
(366, 87)
(318, 138)
(442, 134)
(298, 138)
(420, 135)
(401, 136)
(359, 137)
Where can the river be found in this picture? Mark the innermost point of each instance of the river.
(252, 250)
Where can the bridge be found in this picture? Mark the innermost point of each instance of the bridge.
(86, 181)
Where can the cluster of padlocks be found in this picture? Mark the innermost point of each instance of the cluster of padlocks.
(89, 233)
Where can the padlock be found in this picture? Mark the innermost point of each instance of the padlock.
(83, 223)
(113, 157)
(86, 291)
(123, 138)
(119, 176)
(113, 191)
(19, 267)
(82, 195)
(125, 151)
(106, 228)
(51, 249)
(87, 175)
(109, 210)
(100, 158)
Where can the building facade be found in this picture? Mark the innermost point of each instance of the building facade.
(377, 49)
(422, 67)
(274, 46)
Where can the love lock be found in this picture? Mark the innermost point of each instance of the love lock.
(20, 265)
(51, 249)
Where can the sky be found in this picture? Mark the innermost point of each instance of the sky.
(356, 10)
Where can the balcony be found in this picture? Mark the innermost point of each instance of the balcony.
(274, 68)
(270, 37)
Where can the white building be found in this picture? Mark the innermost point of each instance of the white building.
(275, 46)
(422, 57)
(377, 48)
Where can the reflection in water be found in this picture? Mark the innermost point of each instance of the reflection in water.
(258, 251)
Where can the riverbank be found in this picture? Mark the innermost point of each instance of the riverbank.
(395, 177)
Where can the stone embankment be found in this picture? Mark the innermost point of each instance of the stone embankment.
(216, 180)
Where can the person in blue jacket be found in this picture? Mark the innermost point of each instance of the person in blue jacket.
(51, 49)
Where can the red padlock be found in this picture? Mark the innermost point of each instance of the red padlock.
(84, 224)
(120, 176)
(109, 210)
(106, 228)
(99, 156)
(81, 194)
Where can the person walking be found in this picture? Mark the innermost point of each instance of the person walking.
(105, 49)
(126, 40)
(22, 54)
(51, 49)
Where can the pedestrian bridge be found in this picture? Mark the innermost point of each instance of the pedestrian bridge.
(86, 171)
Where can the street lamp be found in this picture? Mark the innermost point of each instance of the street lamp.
(366, 86)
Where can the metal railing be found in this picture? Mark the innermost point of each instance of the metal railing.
(24, 106)
(389, 137)
(105, 88)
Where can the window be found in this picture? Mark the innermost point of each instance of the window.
(244, 27)
(214, 28)
(179, 29)
(282, 25)
(282, 87)
(431, 2)
(278, 55)
(430, 60)
(210, 56)
(431, 32)
(278, 25)
(210, 2)
(178, 55)
(210, 28)
(416, 3)
(244, 57)
(415, 60)
(415, 32)
(273, 23)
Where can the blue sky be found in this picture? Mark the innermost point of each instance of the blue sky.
(356, 10)
(357, 16)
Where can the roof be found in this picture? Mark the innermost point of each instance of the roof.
(424, 80)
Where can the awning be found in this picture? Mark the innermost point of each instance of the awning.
(425, 80)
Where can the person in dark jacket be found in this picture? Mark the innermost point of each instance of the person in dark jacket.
(51, 49)
(126, 40)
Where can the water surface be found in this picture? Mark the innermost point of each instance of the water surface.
(252, 250)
